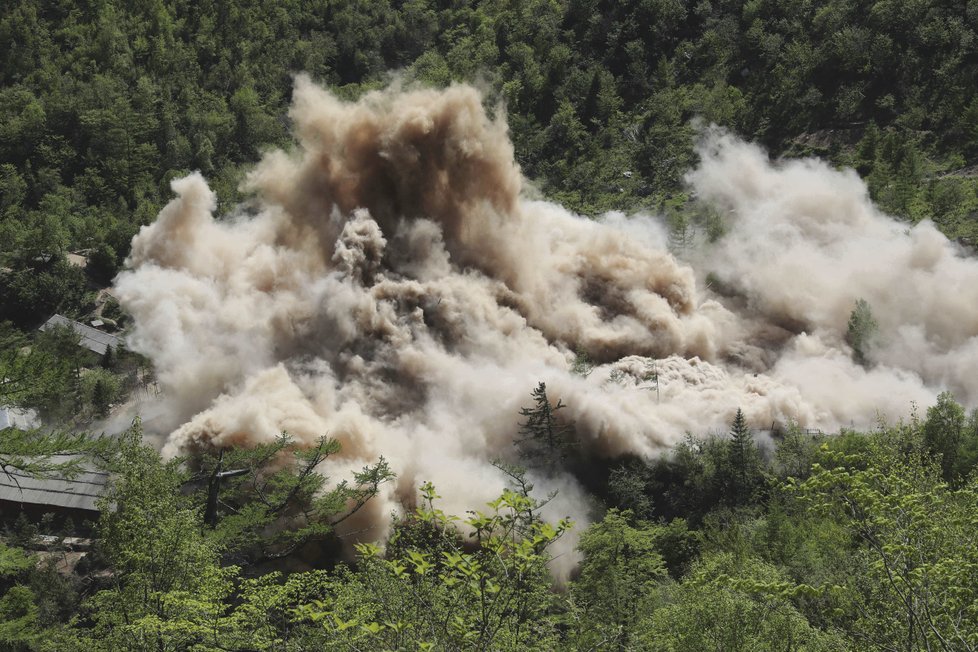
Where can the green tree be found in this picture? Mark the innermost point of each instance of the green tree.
(619, 575)
(682, 232)
(492, 592)
(45, 374)
(735, 605)
(944, 432)
(57, 454)
(796, 452)
(544, 440)
(36, 377)
(13, 190)
(100, 398)
(37, 289)
(968, 451)
(628, 487)
(166, 582)
(18, 620)
(100, 388)
(108, 359)
(266, 502)
(743, 463)
(103, 263)
(861, 332)
(914, 583)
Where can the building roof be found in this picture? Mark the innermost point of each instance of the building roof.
(11, 417)
(77, 260)
(80, 492)
(91, 338)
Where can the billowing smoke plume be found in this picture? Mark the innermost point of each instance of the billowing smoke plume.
(805, 243)
(397, 292)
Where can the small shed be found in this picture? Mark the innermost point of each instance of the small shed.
(91, 338)
(65, 498)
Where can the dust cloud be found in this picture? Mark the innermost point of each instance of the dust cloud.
(396, 290)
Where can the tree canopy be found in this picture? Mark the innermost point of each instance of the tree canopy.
(739, 540)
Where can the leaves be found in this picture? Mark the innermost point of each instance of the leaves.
(266, 502)
(488, 597)
(919, 564)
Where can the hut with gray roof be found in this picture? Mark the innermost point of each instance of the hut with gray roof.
(91, 338)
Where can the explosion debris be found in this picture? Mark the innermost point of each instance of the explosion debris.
(397, 292)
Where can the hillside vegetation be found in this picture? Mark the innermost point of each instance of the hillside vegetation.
(735, 541)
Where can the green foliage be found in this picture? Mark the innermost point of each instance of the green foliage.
(56, 454)
(544, 439)
(62, 381)
(165, 580)
(915, 583)
(101, 106)
(678, 545)
(151, 536)
(796, 452)
(275, 502)
(18, 617)
(703, 474)
(628, 487)
(943, 434)
(742, 474)
(168, 586)
(868, 544)
(492, 593)
(100, 388)
(13, 561)
(582, 365)
(103, 263)
(681, 231)
(737, 605)
(618, 579)
(861, 332)
(687, 482)
(867, 549)
(968, 450)
(39, 287)
(42, 375)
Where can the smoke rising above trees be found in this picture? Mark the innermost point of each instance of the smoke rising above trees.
(392, 286)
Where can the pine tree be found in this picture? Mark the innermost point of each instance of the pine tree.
(542, 434)
(108, 358)
(582, 365)
(681, 231)
(100, 398)
(861, 332)
(743, 460)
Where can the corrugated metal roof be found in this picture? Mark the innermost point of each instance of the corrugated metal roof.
(80, 492)
(17, 418)
(91, 338)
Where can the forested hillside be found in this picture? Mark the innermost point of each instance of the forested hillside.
(760, 536)
(104, 103)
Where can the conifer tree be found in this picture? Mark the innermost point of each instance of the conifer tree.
(743, 460)
(542, 435)
(101, 398)
(108, 358)
(861, 331)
